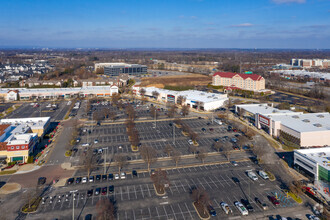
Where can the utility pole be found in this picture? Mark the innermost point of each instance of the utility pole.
(212, 115)
(173, 134)
(73, 191)
(155, 118)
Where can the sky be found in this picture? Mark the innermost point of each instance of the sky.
(296, 24)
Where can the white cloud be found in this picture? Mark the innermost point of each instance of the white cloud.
(242, 25)
(288, 1)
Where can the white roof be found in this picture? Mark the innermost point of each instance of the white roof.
(33, 123)
(191, 95)
(23, 91)
(263, 109)
(305, 122)
(303, 73)
(117, 65)
(319, 155)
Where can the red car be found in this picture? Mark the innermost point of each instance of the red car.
(273, 200)
(104, 190)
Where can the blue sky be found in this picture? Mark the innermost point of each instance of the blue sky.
(166, 23)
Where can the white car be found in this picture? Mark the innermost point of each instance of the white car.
(225, 207)
(116, 176)
(84, 180)
(252, 175)
(234, 163)
(85, 144)
(96, 141)
(122, 175)
(69, 103)
(190, 142)
(48, 106)
(241, 208)
(91, 179)
(263, 174)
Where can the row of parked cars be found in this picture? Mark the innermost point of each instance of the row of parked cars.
(243, 206)
(104, 177)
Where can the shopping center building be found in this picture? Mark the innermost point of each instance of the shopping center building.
(304, 130)
(204, 101)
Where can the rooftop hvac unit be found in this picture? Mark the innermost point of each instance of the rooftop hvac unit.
(306, 120)
(320, 116)
(295, 116)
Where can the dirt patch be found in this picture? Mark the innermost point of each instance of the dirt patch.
(9, 188)
(181, 80)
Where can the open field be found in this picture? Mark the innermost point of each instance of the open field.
(178, 80)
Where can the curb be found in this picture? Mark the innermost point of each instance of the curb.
(157, 192)
(198, 213)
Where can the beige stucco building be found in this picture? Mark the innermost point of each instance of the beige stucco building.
(252, 82)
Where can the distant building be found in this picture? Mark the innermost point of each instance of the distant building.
(51, 93)
(115, 69)
(322, 63)
(303, 74)
(252, 82)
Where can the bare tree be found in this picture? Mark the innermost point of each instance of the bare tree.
(194, 136)
(176, 157)
(153, 112)
(169, 149)
(193, 149)
(112, 115)
(172, 111)
(241, 141)
(87, 159)
(217, 146)
(121, 161)
(181, 100)
(115, 98)
(202, 155)
(149, 155)
(227, 150)
(160, 180)
(142, 92)
(200, 198)
(105, 210)
(185, 110)
(105, 112)
(155, 94)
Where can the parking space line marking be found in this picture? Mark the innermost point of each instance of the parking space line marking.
(121, 194)
(148, 190)
(173, 211)
(135, 192)
(128, 193)
(157, 211)
(188, 210)
(181, 211)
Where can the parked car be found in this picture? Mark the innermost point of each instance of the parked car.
(234, 163)
(190, 142)
(90, 192)
(110, 176)
(70, 181)
(212, 211)
(263, 174)
(104, 190)
(88, 217)
(122, 175)
(98, 177)
(252, 175)
(84, 180)
(236, 180)
(96, 141)
(134, 173)
(78, 180)
(264, 206)
(241, 208)
(41, 181)
(97, 191)
(116, 176)
(91, 179)
(274, 200)
(225, 207)
(111, 189)
(247, 205)
(104, 177)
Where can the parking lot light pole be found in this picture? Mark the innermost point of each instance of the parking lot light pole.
(155, 118)
(173, 134)
(73, 191)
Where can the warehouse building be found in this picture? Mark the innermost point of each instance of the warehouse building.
(304, 130)
(204, 101)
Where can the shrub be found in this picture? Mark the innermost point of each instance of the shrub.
(30, 159)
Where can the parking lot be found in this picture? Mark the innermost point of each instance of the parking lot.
(41, 109)
(176, 204)
(114, 138)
